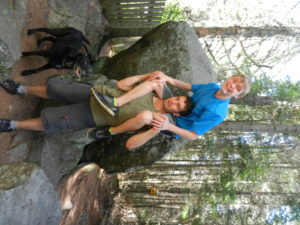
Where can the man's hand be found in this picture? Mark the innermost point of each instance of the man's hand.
(159, 76)
(160, 122)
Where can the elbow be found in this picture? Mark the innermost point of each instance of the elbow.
(130, 144)
(119, 85)
(193, 137)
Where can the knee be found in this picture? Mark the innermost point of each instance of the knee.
(52, 86)
(145, 117)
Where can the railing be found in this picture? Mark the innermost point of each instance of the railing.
(132, 17)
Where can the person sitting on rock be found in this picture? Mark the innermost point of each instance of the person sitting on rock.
(210, 105)
(84, 111)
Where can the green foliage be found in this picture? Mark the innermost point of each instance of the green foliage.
(287, 89)
(173, 12)
(185, 211)
(284, 90)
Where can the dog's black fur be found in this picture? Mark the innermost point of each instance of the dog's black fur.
(64, 53)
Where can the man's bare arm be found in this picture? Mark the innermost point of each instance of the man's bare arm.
(174, 82)
(128, 83)
(162, 123)
(190, 135)
(141, 138)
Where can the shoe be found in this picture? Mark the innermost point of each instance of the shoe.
(99, 133)
(10, 86)
(106, 102)
(5, 125)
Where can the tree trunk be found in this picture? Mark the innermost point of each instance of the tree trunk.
(253, 126)
(255, 101)
(266, 31)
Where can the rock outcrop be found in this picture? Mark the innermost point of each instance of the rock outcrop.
(27, 196)
(111, 153)
(85, 15)
(85, 196)
(12, 16)
(172, 47)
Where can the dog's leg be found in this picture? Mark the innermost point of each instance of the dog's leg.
(40, 41)
(29, 72)
(43, 53)
(57, 32)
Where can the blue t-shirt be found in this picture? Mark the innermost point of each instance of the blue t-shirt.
(208, 110)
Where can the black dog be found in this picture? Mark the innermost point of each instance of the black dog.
(64, 53)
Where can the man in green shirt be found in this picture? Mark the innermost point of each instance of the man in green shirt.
(84, 111)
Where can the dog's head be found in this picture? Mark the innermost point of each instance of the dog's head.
(83, 65)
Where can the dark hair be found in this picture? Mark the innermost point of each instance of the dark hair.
(189, 106)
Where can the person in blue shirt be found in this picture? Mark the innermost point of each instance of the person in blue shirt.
(210, 105)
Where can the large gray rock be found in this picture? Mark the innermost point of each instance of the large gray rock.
(27, 196)
(172, 47)
(112, 155)
(12, 16)
(96, 26)
(58, 152)
(86, 195)
(84, 15)
(67, 13)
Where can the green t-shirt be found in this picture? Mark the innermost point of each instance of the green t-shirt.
(127, 111)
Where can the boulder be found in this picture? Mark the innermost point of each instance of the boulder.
(57, 153)
(83, 15)
(172, 47)
(12, 16)
(86, 194)
(112, 155)
(67, 13)
(27, 196)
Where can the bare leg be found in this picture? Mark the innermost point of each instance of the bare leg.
(39, 91)
(139, 91)
(134, 123)
(30, 124)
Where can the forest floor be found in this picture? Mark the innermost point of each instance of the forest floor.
(24, 107)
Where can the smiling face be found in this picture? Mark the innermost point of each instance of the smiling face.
(176, 105)
(233, 87)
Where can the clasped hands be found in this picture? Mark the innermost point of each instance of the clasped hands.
(158, 76)
(160, 121)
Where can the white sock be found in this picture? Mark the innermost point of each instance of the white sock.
(13, 125)
(22, 89)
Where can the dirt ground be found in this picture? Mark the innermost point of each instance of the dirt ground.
(23, 107)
